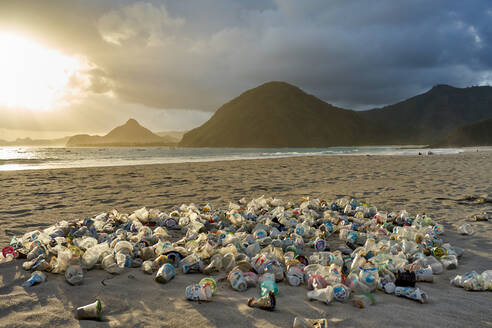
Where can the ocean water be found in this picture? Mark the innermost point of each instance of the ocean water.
(34, 158)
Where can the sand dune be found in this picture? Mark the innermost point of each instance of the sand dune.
(446, 187)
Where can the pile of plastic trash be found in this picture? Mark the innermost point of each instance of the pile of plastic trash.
(257, 244)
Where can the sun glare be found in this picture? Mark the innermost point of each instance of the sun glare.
(32, 76)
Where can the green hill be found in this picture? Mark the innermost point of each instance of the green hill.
(130, 134)
(428, 117)
(277, 114)
(475, 134)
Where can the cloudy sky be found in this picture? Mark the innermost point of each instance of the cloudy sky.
(88, 65)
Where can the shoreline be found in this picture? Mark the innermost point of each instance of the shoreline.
(225, 159)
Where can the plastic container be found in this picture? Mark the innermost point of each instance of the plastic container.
(324, 295)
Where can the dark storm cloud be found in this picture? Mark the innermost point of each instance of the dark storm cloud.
(199, 54)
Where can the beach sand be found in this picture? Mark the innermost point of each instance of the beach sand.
(445, 187)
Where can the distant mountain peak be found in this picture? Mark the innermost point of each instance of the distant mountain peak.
(132, 121)
(442, 87)
(131, 133)
(276, 85)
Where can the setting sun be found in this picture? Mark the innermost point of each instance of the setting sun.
(33, 76)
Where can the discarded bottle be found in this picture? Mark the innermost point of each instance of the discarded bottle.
(36, 278)
(300, 322)
(266, 302)
(415, 294)
(91, 311)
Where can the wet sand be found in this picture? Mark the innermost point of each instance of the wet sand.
(447, 187)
